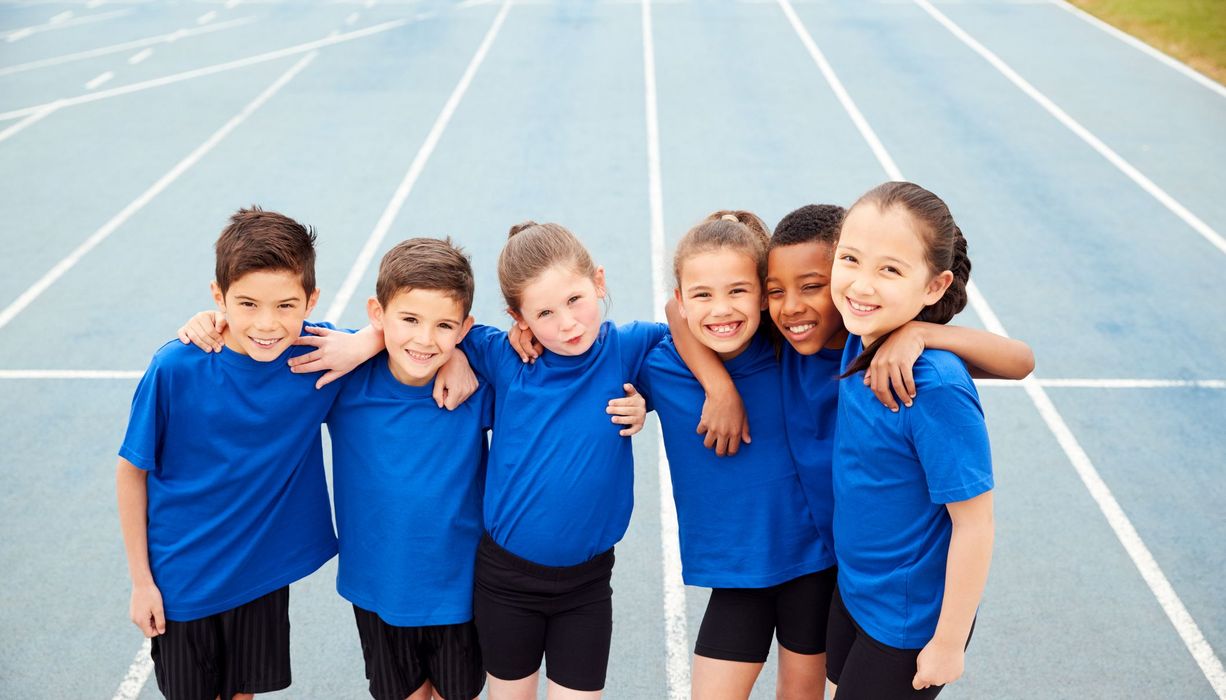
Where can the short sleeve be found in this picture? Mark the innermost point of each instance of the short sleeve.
(146, 420)
(951, 442)
(487, 408)
(489, 353)
(637, 339)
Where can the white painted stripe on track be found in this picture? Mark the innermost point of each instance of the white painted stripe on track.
(139, 56)
(207, 17)
(23, 32)
(70, 374)
(367, 254)
(1111, 383)
(214, 69)
(31, 119)
(1136, 43)
(1082, 132)
(676, 634)
(138, 674)
(1141, 557)
(101, 78)
(63, 266)
(115, 48)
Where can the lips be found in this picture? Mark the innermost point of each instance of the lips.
(723, 330)
(265, 343)
(420, 357)
(860, 308)
(799, 330)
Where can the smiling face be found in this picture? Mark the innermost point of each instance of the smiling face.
(421, 328)
(721, 299)
(798, 296)
(881, 278)
(562, 309)
(264, 310)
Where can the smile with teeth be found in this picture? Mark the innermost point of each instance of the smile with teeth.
(801, 328)
(862, 308)
(724, 329)
(265, 343)
(420, 356)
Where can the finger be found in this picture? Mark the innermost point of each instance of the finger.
(908, 380)
(439, 393)
(327, 378)
(313, 341)
(899, 388)
(451, 399)
(917, 684)
(734, 445)
(702, 428)
(721, 446)
(314, 330)
(159, 620)
(537, 348)
(183, 337)
(708, 440)
(630, 390)
(881, 389)
(868, 377)
(745, 431)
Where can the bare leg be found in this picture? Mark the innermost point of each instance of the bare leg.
(522, 689)
(422, 693)
(716, 679)
(801, 676)
(560, 692)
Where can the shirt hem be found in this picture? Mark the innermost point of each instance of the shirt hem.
(963, 493)
(708, 580)
(401, 620)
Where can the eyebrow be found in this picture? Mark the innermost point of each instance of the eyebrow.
(244, 297)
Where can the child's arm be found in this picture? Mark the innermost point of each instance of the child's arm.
(630, 411)
(987, 354)
(336, 353)
(455, 381)
(145, 608)
(204, 331)
(723, 422)
(940, 662)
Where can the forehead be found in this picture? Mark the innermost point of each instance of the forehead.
(889, 233)
(718, 266)
(801, 258)
(437, 303)
(269, 284)
(556, 280)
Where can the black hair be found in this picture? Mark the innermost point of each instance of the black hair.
(810, 223)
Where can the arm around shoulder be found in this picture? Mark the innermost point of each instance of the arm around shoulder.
(989, 356)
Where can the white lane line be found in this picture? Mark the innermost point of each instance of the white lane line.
(139, 56)
(352, 19)
(676, 636)
(138, 673)
(367, 254)
(63, 266)
(15, 34)
(1073, 125)
(472, 3)
(61, 17)
(1136, 43)
(99, 80)
(207, 17)
(35, 117)
(212, 70)
(94, 3)
(1158, 584)
(1112, 383)
(70, 374)
(125, 46)
(231, 4)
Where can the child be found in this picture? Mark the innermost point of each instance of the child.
(222, 497)
(913, 490)
(745, 528)
(407, 478)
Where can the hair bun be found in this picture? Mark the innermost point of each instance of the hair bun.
(521, 227)
(730, 217)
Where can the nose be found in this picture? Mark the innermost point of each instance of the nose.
(567, 321)
(862, 284)
(266, 319)
(791, 304)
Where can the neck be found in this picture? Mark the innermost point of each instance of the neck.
(407, 380)
(726, 356)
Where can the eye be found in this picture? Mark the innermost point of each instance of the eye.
(848, 258)
(739, 290)
(289, 305)
(411, 320)
(543, 314)
(446, 326)
(774, 292)
(813, 287)
(573, 299)
(700, 295)
(891, 269)
(248, 304)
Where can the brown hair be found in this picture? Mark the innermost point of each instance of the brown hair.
(533, 248)
(944, 249)
(426, 263)
(257, 240)
(727, 228)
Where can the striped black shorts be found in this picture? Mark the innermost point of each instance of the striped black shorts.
(241, 650)
(400, 659)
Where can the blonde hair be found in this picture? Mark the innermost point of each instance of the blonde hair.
(533, 248)
(739, 230)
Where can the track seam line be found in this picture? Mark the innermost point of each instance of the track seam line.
(1123, 528)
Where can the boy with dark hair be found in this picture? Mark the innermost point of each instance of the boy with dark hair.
(408, 480)
(222, 496)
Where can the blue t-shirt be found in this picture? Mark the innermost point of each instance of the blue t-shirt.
(810, 408)
(560, 481)
(407, 477)
(893, 475)
(238, 502)
(743, 520)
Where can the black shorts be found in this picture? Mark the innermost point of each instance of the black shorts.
(524, 610)
(400, 659)
(241, 650)
(864, 668)
(740, 622)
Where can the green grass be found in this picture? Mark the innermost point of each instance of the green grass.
(1193, 31)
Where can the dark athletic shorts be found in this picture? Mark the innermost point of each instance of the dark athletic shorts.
(864, 668)
(241, 650)
(740, 622)
(400, 659)
(524, 610)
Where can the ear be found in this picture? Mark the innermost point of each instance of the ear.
(519, 320)
(312, 300)
(374, 311)
(936, 287)
(680, 306)
(465, 328)
(598, 280)
(218, 297)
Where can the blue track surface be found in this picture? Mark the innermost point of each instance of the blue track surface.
(1098, 276)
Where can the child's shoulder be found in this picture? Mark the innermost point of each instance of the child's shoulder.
(175, 355)
(940, 368)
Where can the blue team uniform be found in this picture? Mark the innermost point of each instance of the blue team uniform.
(238, 502)
(407, 478)
(810, 408)
(560, 479)
(893, 475)
(743, 520)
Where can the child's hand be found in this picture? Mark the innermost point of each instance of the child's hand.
(524, 343)
(630, 411)
(146, 611)
(939, 663)
(724, 423)
(455, 382)
(204, 331)
(891, 367)
(336, 354)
